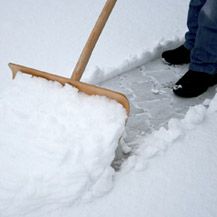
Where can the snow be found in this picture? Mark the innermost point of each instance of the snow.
(172, 174)
(57, 145)
(50, 35)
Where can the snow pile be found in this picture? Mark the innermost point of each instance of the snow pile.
(56, 145)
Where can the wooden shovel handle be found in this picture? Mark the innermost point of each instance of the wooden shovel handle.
(92, 40)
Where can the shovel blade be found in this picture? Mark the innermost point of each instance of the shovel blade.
(81, 86)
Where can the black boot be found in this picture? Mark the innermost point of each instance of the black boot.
(178, 56)
(193, 84)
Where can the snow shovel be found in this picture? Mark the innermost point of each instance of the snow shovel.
(81, 64)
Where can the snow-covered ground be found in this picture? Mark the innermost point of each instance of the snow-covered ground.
(49, 35)
(57, 145)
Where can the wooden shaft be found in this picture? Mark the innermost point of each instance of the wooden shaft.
(92, 40)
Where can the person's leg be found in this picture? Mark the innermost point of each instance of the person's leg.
(192, 22)
(203, 65)
(181, 55)
(204, 52)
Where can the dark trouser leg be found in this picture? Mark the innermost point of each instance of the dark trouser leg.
(204, 52)
(192, 22)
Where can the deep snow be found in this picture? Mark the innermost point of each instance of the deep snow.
(169, 164)
(56, 144)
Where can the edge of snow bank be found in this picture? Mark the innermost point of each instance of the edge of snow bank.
(99, 75)
(159, 141)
